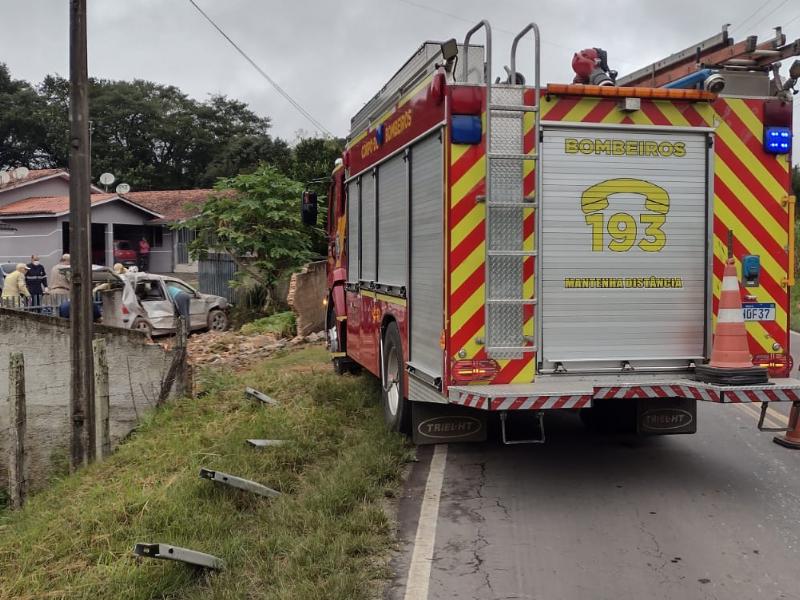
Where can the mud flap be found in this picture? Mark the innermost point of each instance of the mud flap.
(665, 416)
(444, 423)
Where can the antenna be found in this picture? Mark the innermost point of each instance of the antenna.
(21, 173)
(107, 179)
(123, 188)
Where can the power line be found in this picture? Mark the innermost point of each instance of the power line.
(500, 29)
(751, 15)
(761, 20)
(261, 72)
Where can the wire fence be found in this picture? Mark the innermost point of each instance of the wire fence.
(53, 305)
(47, 304)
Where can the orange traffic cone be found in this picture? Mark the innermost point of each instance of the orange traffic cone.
(731, 362)
(791, 439)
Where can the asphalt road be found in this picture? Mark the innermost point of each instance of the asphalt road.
(590, 516)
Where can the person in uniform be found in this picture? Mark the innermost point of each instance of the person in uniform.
(36, 280)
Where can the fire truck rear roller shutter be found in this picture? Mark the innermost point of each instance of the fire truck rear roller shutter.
(392, 222)
(427, 278)
(643, 298)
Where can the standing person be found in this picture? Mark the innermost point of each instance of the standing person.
(59, 281)
(144, 255)
(14, 288)
(36, 280)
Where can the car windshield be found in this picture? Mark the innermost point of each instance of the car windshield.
(124, 245)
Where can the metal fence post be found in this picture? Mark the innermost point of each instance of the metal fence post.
(101, 400)
(17, 483)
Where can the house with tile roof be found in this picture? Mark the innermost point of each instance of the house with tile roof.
(34, 219)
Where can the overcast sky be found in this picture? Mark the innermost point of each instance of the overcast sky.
(333, 56)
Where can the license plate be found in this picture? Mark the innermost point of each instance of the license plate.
(758, 311)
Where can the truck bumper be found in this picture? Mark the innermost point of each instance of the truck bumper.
(574, 392)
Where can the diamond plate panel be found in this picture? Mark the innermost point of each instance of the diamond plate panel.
(506, 132)
(507, 95)
(505, 327)
(505, 228)
(505, 180)
(505, 276)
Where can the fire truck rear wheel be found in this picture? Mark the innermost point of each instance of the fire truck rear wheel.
(395, 406)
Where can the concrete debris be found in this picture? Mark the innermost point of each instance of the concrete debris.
(238, 350)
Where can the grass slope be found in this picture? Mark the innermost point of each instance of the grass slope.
(323, 538)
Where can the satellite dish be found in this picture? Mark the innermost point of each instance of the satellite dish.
(123, 188)
(4, 177)
(21, 173)
(106, 179)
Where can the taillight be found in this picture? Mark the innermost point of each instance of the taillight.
(125, 310)
(778, 365)
(473, 371)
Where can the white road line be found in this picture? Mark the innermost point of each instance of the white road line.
(419, 573)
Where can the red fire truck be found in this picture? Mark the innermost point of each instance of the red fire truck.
(500, 247)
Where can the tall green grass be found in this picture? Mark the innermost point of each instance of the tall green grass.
(326, 536)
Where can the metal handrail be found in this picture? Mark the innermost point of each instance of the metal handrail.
(538, 172)
(535, 28)
(487, 65)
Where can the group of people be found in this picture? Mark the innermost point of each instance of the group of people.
(29, 281)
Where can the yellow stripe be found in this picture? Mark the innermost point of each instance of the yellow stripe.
(470, 348)
(471, 264)
(367, 294)
(776, 230)
(581, 109)
(471, 220)
(755, 328)
(391, 299)
(469, 308)
(775, 188)
(746, 237)
(672, 114)
(468, 181)
(457, 151)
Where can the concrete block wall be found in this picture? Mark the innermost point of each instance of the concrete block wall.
(136, 370)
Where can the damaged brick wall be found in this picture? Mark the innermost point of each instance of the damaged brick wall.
(136, 371)
(307, 290)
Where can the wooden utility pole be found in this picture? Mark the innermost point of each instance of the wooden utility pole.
(82, 445)
(17, 482)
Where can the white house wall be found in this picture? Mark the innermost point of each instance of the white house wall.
(33, 236)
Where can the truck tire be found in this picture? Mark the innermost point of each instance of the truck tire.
(395, 406)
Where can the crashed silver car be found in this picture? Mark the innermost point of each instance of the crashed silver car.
(148, 298)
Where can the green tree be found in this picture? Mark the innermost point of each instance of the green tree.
(256, 219)
(313, 158)
(156, 137)
(22, 130)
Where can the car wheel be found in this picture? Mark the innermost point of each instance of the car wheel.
(142, 325)
(395, 406)
(217, 320)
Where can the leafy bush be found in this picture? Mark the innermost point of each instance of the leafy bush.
(283, 324)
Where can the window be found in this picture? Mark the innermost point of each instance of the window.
(173, 287)
(149, 291)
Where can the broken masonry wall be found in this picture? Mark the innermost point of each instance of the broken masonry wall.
(136, 370)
